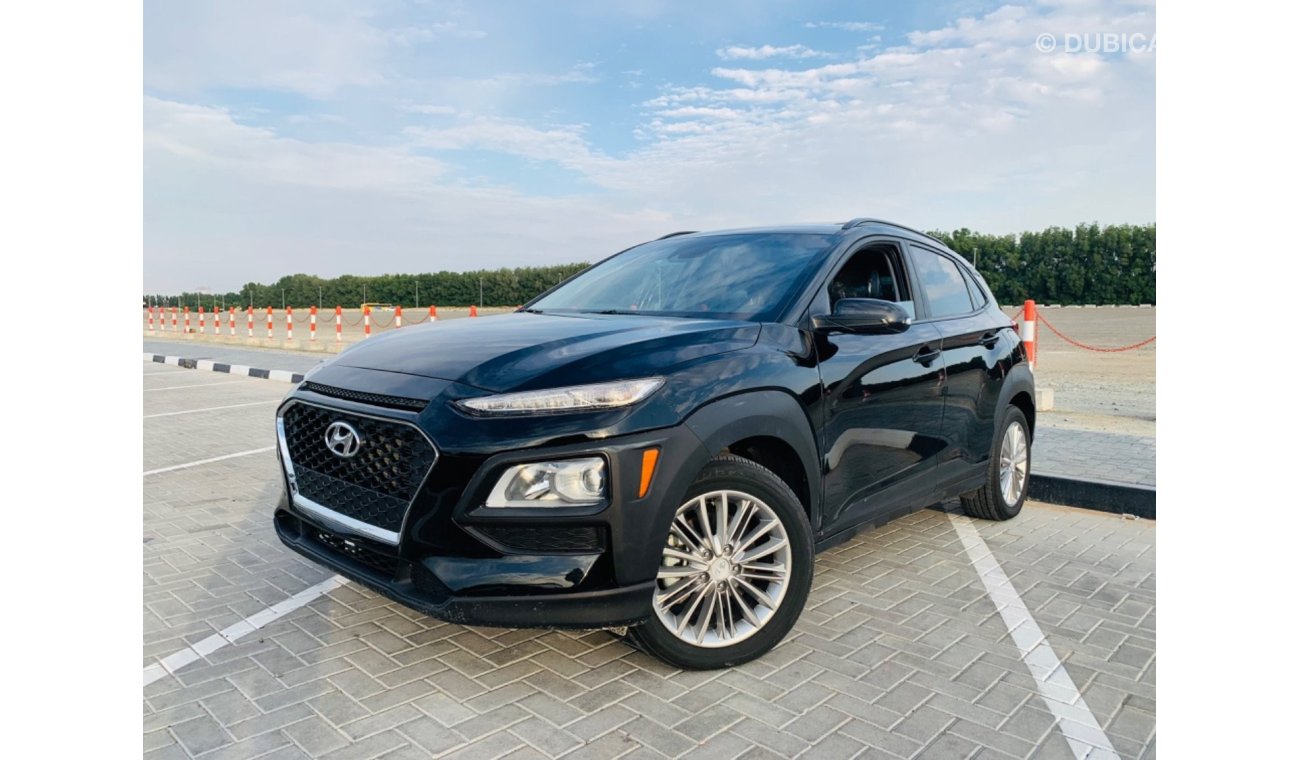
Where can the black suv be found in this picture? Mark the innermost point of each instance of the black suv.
(663, 441)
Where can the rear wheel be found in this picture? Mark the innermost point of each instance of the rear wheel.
(736, 569)
(1003, 493)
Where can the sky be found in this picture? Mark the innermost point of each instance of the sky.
(370, 136)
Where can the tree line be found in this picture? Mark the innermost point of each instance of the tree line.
(1111, 264)
(491, 287)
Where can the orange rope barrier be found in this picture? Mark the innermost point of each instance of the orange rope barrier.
(1086, 347)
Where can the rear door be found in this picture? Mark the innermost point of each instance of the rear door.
(973, 340)
(882, 403)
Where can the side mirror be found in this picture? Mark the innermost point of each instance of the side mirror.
(864, 316)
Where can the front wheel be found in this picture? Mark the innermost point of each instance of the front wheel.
(1003, 493)
(736, 569)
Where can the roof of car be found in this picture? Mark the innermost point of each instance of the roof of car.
(857, 226)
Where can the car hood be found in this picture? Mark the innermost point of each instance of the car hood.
(523, 351)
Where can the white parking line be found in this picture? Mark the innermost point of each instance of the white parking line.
(210, 409)
(1077, 723)
(196, 385)
(187, 465)
(177, 660)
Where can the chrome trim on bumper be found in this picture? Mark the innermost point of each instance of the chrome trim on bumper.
(344, 523)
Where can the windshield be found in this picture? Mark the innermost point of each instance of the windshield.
(741, 276)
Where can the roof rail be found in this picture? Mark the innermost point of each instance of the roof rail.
(675, 234)
(861, 220)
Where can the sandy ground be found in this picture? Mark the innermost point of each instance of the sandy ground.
(1111, 392)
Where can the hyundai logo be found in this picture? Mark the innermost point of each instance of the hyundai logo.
(342, 439)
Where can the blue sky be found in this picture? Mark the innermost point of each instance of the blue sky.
(367, 137)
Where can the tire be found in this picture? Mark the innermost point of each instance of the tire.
(766, 509)
(989, 502)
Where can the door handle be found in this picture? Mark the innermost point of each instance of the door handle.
(989, 339)
(926, 355)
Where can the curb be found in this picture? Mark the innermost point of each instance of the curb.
(1097, 495)
(283, 375)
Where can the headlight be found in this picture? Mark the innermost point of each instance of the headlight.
(564, 483)
(571, 399)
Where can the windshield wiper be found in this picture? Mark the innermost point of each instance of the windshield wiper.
(532, 311)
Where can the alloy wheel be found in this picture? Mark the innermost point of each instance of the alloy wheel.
(1013, 467)
(725, 569)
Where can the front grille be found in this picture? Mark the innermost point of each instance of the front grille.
(534, 538)
(358, 551)
(377, 484)
(373, 399)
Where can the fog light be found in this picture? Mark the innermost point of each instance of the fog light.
(564, 483)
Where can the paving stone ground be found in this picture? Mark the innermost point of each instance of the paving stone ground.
(1090, 455)
(900, 652)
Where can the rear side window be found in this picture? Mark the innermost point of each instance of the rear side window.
(943, 283)
(977, 293)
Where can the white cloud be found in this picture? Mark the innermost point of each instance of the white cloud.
(211, 140)
(582, 73)
(562, 145)
(847, 26)
(226, 203)
(431, 110)
(768, 51)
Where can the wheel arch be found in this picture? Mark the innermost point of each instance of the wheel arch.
(1018, 391)
(770, 428)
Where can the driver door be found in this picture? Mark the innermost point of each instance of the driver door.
(882, 398)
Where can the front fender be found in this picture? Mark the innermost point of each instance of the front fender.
(760, 413)
(715, 426)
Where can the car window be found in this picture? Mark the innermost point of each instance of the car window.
(871, 273)
(735, 276)
(945, 288)
(977, 293)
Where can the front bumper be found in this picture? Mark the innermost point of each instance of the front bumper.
(601, 608)
(457, 561)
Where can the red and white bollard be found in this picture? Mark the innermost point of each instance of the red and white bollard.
(433, 313)
(202, 328)
(232, 321)
(1030, 336)
(338, 324)
(313, 323)
(150, 319)
(173, 319)
(288, 323)
(397, 318)
(250, 321)
(366, 315)
(269, 313)
(187, 320)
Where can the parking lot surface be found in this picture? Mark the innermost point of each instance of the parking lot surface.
(934, 636)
